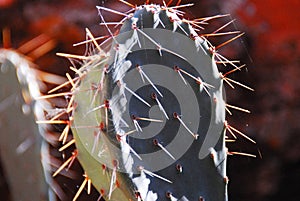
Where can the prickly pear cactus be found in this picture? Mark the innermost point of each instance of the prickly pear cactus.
(20, 141)
(148, 109)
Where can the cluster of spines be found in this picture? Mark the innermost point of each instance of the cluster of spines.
(89, 60)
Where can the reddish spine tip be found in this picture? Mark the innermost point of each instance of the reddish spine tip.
(115, 163)
(226, 180)
(155, 142)
(192, 36)
(212, 50)
(137, 195)
(102, 126)
(117, 184)
(179, 168)
(171, 19)
(201, 198)
(226, 124)
(106, 103)
(133, 26)
(168, 194)
(75, 153)
(106, 66)
(118, 137)
(153, 96)
(176, 68)
(102, 191)
(117, 47)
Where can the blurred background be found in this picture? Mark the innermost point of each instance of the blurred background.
(270, 48)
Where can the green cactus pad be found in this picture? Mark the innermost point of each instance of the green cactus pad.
(150, 115)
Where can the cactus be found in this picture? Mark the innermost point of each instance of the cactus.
(20, 141)
(147, 109)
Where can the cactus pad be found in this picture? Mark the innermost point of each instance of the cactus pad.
(148, 110)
